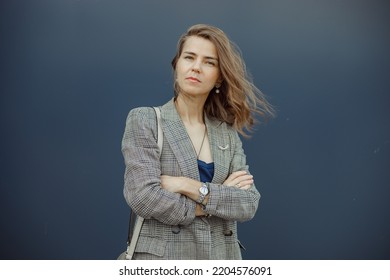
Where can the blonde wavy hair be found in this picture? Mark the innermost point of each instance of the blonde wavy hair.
(238, 100)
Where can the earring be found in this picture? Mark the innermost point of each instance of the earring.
(217, 88)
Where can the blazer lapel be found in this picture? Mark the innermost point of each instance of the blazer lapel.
(220, 148)
(179, 141)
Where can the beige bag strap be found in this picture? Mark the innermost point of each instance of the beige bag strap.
(160, 132)
(140, 220)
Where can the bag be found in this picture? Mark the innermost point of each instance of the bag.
(135, 220)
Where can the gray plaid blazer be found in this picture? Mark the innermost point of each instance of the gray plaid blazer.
(170, 229)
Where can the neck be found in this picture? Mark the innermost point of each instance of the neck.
(190, 109)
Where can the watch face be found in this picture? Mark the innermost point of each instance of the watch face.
(204, 190)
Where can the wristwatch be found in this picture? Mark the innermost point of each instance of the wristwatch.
(203, 191)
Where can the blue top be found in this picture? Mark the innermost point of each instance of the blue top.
(206, 171)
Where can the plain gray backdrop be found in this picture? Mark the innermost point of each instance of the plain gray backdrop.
(71, 70)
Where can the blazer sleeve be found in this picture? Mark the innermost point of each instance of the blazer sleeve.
(231, 203)
(142, 184)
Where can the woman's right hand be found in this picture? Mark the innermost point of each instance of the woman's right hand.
(239, 179)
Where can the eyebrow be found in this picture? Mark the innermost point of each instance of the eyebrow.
(207, 57)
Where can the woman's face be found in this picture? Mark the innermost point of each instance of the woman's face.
(197, 69)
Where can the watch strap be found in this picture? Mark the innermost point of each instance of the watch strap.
(202, 196)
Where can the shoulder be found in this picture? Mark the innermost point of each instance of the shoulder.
(141, 112)
(141, 118)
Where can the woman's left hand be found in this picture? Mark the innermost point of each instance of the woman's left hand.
(240, 179)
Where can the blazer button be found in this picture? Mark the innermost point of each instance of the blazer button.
(176, 229)
(228, 232)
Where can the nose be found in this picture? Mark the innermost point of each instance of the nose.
(196, 66)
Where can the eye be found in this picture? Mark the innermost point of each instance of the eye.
(211, 63)
(188, 57)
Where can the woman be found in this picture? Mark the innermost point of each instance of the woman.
(192, 195)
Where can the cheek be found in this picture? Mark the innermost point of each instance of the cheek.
(179, 76)
(180, 70)
(214, 76)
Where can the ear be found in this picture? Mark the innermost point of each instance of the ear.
(218, 83)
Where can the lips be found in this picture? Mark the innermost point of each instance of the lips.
(193, 79)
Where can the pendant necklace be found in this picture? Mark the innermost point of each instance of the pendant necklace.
(201, 145)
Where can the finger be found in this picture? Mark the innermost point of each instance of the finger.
(237, 174)
(244, 177)
(239, 181)
(247, 182)
(242, 180)
(246, 187)
(243, 183)
(237, 177)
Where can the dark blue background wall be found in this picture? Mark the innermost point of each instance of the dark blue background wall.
(71, 71)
